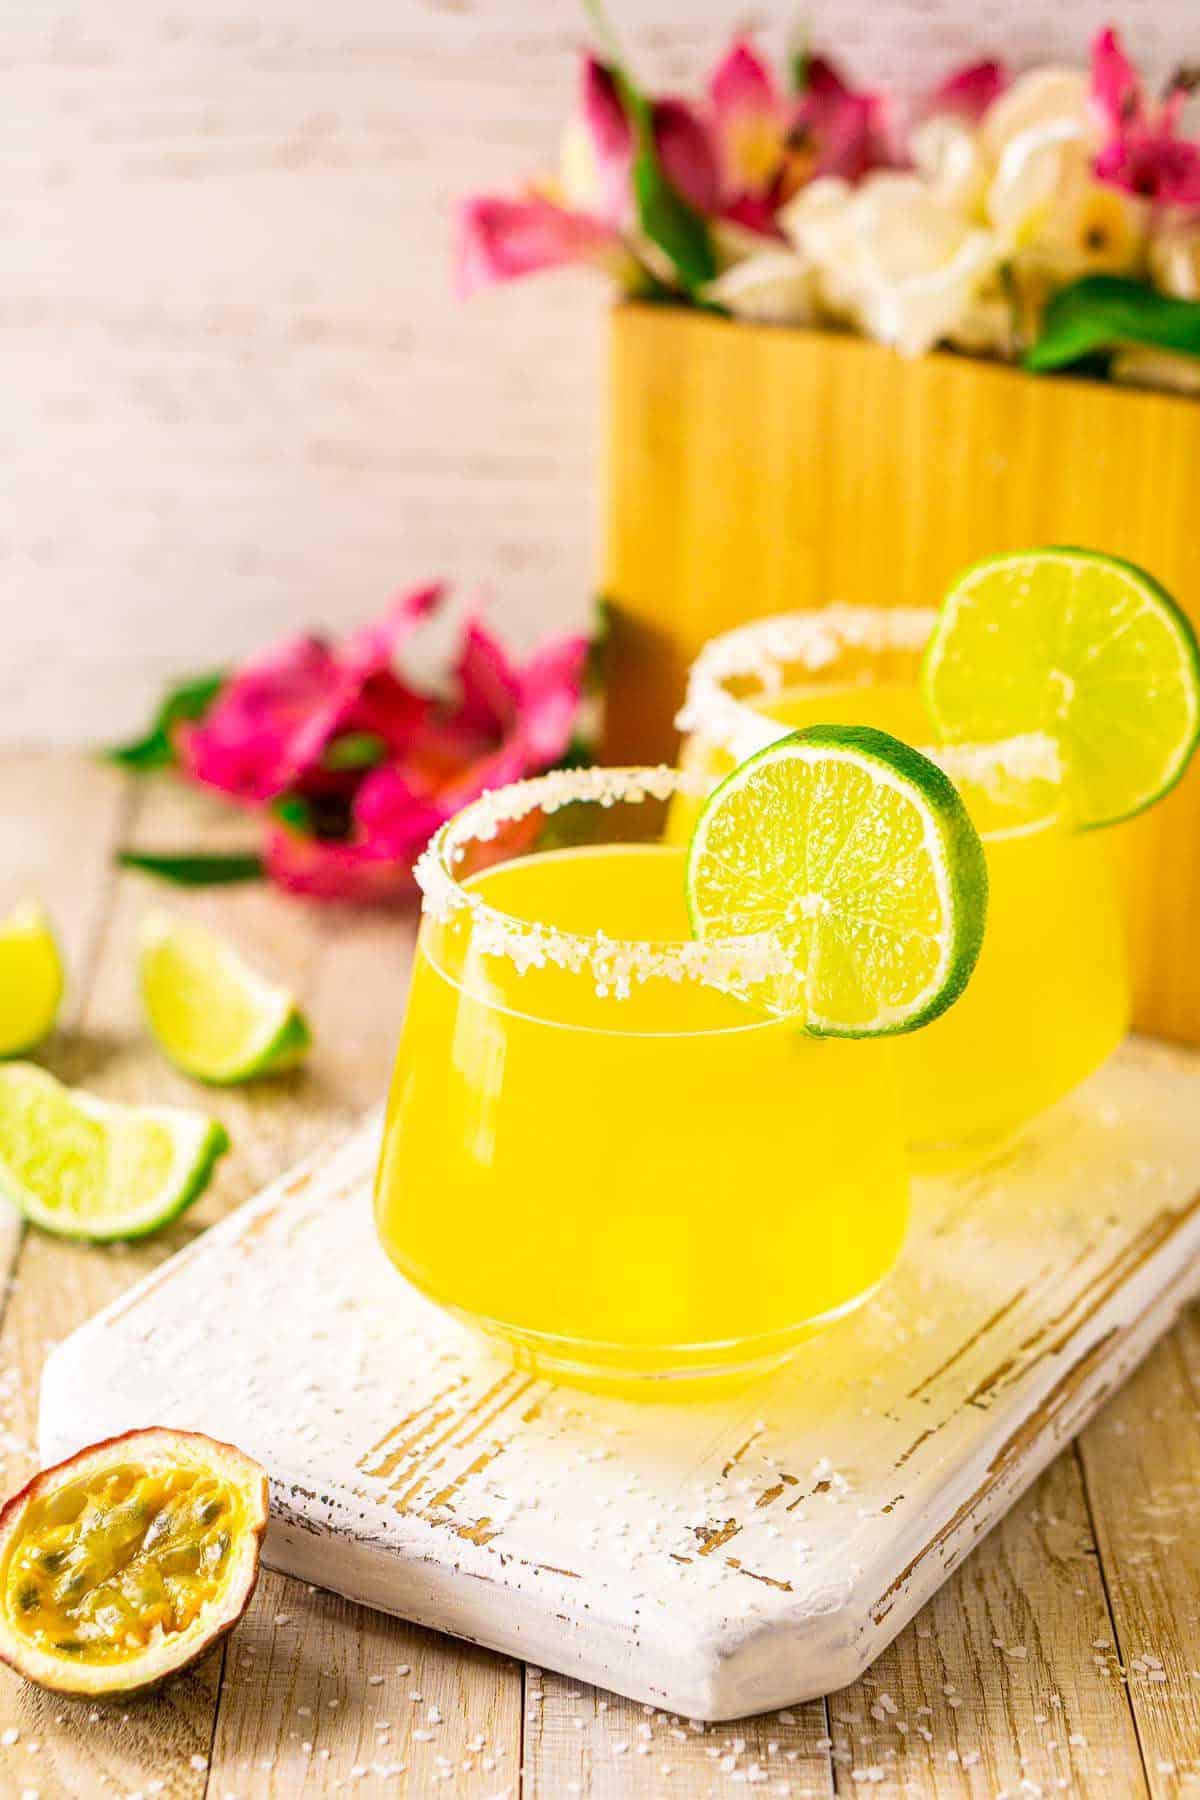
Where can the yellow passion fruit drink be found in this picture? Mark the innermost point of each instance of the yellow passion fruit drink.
(1058, 689)
(644, 1118)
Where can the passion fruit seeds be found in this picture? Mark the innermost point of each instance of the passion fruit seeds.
(126, 1562)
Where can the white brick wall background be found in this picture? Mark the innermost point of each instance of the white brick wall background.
(235, 393)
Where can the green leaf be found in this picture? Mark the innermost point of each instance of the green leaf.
(1102, 312)
(668, 220)
(187, 702)
(354, 750)
(663, 214)
(186, 870)
(799, 56)
(294, 811)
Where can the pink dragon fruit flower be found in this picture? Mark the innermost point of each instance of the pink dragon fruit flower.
(1144, 152)
(771, 143)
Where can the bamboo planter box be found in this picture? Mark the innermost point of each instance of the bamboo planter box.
(753, 470)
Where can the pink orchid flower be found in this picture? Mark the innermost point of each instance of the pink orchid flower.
(498, 240)
(771, 143)
(851, 130)
(967, 93)
(272, 724)
(503, 721)
(1144, 153)
(590, 215)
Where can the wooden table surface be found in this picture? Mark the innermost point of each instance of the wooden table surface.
(1063, 1657)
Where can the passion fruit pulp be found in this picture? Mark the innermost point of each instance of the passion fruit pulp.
(123, 1564)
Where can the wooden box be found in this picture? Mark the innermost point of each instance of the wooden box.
(753, 470)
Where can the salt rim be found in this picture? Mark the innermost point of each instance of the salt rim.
(752, 966)
(814, 640)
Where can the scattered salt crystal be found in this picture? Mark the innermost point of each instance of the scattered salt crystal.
(198, 1762)
(403, 1668)
(283, 1618)
(374, 1680)
(786, 1718)
(433, 1716)
(423, 1737)
(10, 1736)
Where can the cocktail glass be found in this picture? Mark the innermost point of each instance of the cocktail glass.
(1049, 999)
(609, 1144)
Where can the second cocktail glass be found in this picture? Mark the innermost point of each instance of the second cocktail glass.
(1049, 999)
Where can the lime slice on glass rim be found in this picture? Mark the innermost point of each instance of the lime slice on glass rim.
(87, 1168)
(31, 979)
(213, 1015)
(857, 853)
(1081, 646)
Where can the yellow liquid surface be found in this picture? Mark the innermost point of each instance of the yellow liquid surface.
(664, 1183)
(1049, 999)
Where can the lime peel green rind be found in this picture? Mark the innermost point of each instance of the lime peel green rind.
(31, 979)
(1085, 647)
(858, 853)
(82, 1167)
(211, 1014)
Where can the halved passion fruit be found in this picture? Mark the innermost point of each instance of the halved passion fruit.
(123, 1564)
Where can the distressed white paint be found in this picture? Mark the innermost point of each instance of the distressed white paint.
(716, 1558)
(236, 394)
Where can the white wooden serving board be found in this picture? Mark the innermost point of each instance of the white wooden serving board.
(714, 1558)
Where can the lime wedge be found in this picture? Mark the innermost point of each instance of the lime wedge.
(858, 854)
(31, 979)
(214, 1016)
(1083, 647)
(87, 1168)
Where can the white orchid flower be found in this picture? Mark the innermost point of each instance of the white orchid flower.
(893, 258)
(773, 287)
(1055, 219)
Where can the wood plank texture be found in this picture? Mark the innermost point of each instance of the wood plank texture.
(239, 397)
(741, 482)
(1094, 1574)
(415, 1470)
(326, 1642)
